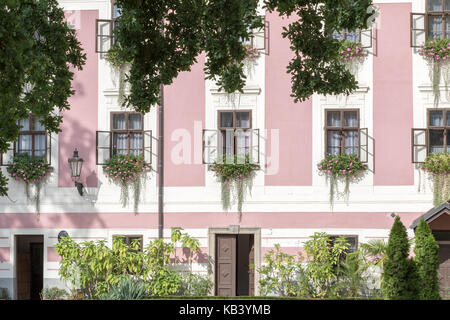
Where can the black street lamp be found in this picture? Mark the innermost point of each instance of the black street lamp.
(76, 163)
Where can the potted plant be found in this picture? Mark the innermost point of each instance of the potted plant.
(234, 171)
(121, 66)
(346, 166)
(126, 170)
(53, 293)
(31, 170)
(438, 166)
(436, 53)
(352, 54)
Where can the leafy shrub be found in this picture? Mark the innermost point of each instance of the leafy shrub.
(126, 289)
(427, 260)
(193, 284)
(4, 294)
(399, 274)
(280, 273)
(53, 293)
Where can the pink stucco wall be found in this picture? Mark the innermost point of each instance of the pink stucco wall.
(184, 114)
(4, 255)
(293, 120)
(80, 122)
(301, 220)
(393, 96)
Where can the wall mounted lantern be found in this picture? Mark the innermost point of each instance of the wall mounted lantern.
(76, 163)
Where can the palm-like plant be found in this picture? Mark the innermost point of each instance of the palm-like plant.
(374, 252)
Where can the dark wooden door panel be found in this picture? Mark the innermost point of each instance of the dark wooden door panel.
(251, 271)
(226, 265)
(444, 270)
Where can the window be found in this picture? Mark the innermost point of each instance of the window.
(130, 239)
(438, 19)
(32, 137)
(439, 130)
(127, 136)
(435, 138)
(235, 137)
(127, 133)
(104, 30)
(342, 131)
(434, 23)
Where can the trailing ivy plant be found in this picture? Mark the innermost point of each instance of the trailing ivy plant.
(438, 166)
(127, 170)
(346, 166)
(163, 38)
(437, 54)
(40, 52)
(31, 170)
(234, 172)
(121, 65)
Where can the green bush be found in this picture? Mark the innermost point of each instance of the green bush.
(427, 261)
(193, 285)
(126, 289)
(399, 274)
(53, 293)
(4, 294)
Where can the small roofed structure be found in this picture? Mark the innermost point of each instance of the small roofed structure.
(437, 218)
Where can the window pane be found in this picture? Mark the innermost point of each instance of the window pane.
(352, 36)
(227, 142)
(448, 141)
(243, 119)
(333, 118)
(242, 142)
(435, 27)
(436, 118)
(120, 143)
(39, 145)
(135, 121)
(350, 119)
(116, 11)
(119, 121)
(37, 126)
(436, 141)
(333, 142)
(25, 124)
(448, 118)
(447, 5)
(351, 142)
(136, 143)
(25, 144)
(226, 119)
(434, 5)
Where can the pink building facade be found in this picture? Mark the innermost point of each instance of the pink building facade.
(289, 198)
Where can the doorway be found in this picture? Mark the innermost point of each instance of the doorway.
(235, 254)
(29, 266)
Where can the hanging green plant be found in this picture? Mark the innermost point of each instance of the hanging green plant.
(438, 166)
(437, 54)
(114, 58)
(345, 166)
(32, 171)
(127, 170)
(352, 55)
(234, 171)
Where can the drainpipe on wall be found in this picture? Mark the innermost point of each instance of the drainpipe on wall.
(161, 165)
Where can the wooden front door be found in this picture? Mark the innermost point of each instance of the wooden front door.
(444, 270)
(251, 271)
(226, 265)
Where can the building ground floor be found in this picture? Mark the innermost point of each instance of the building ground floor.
(229, 245)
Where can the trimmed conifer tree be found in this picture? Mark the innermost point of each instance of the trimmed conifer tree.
(399, 279)
(427, 260)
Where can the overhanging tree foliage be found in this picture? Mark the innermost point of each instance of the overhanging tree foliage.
(37, 50)
(163, 37)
